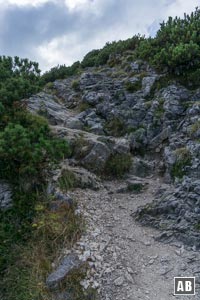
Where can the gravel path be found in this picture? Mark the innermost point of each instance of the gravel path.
(126, 260)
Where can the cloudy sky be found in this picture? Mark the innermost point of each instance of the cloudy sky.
(56, 32)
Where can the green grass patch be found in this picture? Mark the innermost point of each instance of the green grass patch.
(117, 165)
(183, 159)
(132, 87)
(31, 258)
(115, 127)
(135, 187)
(67, 180)
(75, 85)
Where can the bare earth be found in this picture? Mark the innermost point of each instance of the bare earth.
(126, 260)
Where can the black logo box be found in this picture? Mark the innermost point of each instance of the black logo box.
(182, 281)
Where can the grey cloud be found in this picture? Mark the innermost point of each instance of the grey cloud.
(25, 28)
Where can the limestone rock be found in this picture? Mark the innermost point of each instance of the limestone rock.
(5, 195)
(69, 263)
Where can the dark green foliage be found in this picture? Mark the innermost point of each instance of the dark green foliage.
(90, 59)
(176, 47)
(135, 187)
(19, 78)
(75, 85)
(183, 159)
(101, 57)
(27, 147)
(132, 87)
(27, 152)
(115, 127)
(67, 180)
(118, 164)
(60, 72)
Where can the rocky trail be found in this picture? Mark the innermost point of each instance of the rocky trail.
(160, 129)
(127, 261)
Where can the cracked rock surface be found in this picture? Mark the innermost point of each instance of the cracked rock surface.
(160, 128)
(126, 259)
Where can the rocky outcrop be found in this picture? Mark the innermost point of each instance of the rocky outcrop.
(103, 112)
(5, 195)
(176, 213)
(48, 106)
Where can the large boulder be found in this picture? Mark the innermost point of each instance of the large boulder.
(97, 157)
(48, 106)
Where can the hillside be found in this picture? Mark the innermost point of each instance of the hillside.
(100, 171)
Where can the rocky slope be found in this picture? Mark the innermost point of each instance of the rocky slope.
(113, 114)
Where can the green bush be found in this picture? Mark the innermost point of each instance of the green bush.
(117, 165)
(183, 159)
(176, 47)
(67, 180)
(75, 85)
(90, 58)
(60, 72)
(101, 57)
(194, 129)
(132, 87)
(27, 147)
(135, 187)
(115, 127)
(19, 78)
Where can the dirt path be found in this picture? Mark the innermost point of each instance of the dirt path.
(126, 260)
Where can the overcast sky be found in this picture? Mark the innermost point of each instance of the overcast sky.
(56, 32)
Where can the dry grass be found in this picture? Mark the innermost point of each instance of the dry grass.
(53, 231)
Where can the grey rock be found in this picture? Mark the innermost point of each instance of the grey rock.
(174, 98)
(85, 179)
(135, 66)
(97, 157)
(48, 106)
(74, 123)
(5, 195)
(160, 138)
(121, 146)
(119, 281)
(142, 168)
(60, 199)
(69, 263)
(94, 98)
(177, 212)
(148, 83)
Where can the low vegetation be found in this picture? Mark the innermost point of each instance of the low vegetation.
(115, 127)
(31, 233)
(183, 159)
(117, 165)
(75, 85)
(132, 87)
(135, 187)
(67, 180)
(30, 263)
(174, 49)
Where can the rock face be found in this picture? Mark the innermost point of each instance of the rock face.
(47, 105)
(177, 213)
(5, 196)
(130, 110)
